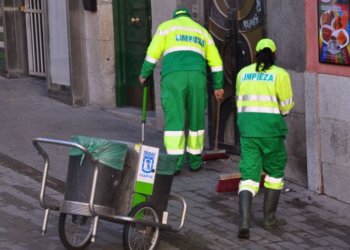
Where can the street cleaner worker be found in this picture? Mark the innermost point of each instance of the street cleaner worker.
(185, 46)
(264, 97)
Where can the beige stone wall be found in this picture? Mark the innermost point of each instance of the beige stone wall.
(100, 53)
(160, 13)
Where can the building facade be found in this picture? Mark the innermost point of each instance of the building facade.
(105, 48)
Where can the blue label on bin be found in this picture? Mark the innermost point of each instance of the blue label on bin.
(148, 162)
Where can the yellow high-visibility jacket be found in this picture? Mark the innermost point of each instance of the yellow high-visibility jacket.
(263, 98)
(185, 45)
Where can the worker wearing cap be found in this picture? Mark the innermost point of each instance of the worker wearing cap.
(264, 97)
(186, 47)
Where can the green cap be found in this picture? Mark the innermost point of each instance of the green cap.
(265, 43)
(181, 11)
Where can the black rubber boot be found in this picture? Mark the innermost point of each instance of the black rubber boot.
(270, 206)
(245, 205)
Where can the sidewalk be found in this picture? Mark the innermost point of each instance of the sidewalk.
(21, 218)
(314, 221)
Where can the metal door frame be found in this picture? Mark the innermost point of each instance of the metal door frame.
(229, 105)
(3, 71)
(36, 27)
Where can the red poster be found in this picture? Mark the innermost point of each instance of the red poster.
(334, 30)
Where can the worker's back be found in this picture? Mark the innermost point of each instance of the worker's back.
(258, 102)
(183, 43)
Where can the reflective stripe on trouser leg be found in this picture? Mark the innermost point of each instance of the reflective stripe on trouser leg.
(250, 165)
(274, 162)
(195, 142)
(273, 183)
(194, 148)
(249, 185)
(174, 142)
(173, 93)
(196, 100)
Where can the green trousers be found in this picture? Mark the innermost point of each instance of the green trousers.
(262, 154)
(184, 97)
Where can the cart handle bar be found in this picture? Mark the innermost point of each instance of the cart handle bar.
(92, 196)
(46, 169)
(121, 218)
(167, 227)
(184, 211)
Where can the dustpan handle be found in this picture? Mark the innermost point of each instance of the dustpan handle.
(144, 106)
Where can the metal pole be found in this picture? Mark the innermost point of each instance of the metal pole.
(94, 230)
(46, 218)
(144, 107)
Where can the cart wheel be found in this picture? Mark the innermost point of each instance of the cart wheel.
(75, 231)
(139, 236)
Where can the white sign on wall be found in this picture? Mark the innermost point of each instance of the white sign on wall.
(147, 164)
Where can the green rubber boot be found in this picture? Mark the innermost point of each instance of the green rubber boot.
(245, 205)
(270, 206)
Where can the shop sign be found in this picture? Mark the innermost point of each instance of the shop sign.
(333, 30)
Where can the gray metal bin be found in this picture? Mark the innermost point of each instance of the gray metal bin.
(111, 156)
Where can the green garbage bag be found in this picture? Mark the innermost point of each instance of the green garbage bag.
(110, 153)
(166, 164)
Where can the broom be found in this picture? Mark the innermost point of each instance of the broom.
(230, 182)
(216, 153)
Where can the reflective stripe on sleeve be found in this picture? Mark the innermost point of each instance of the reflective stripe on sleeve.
(151, 60)
(286, 102)
(216, 69)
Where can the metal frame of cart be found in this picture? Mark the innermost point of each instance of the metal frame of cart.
(97, 214)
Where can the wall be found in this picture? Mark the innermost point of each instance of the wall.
(327, 90)
(160, 13)
(100, 53)
(76, 33)
(286, 26)
(312, 50)
(328, 123)
(14, 27)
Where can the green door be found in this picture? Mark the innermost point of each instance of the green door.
(133, 34)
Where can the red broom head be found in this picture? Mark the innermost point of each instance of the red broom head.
(211, 157)
(230, 185)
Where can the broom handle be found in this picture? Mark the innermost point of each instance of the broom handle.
(144, 106)
(217, 126)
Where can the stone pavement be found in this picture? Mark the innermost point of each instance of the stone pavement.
(314, 221)
(21, 218)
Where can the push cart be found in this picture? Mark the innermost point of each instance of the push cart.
(80, 213)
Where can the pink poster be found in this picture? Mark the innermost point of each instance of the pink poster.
(334, 29)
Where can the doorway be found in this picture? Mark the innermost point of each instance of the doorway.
(133, 26)
(236, 26)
